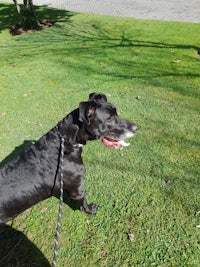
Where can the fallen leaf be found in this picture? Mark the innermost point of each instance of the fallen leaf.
(176, 61)
(3, 114)
(27, 94)
(103, 65)
(87, 227)
(131, 237)
(91, 233)
(168, 183)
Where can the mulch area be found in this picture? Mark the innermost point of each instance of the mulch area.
(19, 29)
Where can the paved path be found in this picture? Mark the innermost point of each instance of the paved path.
(170, 10)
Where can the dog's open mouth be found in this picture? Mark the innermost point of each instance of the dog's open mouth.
(118, 144)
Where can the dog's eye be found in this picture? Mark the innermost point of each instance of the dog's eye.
(110, 120)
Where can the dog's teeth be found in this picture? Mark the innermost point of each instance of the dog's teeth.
(123, 143)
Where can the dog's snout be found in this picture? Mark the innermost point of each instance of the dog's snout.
(134, 127)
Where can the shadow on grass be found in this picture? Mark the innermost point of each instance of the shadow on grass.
(17, 250)
(99, 38)
(125, 56)
(92, 41)
(17, 151)
(9, 16)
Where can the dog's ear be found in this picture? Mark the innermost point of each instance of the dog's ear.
(87, 111)
(95, 96)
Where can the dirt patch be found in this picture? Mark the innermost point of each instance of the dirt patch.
(19, 29)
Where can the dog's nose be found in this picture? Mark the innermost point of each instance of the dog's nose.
(134, 128)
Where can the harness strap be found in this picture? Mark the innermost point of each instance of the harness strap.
(57, 235)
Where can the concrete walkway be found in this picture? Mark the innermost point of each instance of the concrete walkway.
(168, 10)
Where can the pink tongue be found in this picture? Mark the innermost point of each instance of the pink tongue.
(110, 143)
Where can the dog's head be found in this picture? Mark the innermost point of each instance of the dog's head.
(100, 121)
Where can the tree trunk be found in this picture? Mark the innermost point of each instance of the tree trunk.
(28, 4)
(17, 6)
(27, 14)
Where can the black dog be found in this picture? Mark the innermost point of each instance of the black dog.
(32, 176)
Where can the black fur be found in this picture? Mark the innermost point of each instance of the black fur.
(32, 176)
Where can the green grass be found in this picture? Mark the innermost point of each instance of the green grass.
(149, 191)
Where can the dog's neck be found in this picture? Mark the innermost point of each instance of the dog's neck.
(72, 130)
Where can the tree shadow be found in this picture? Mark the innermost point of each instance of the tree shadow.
(16, 250)
(9, 16)
(17, 151)
(95, 42)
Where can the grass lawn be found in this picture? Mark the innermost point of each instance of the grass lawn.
(149, 193)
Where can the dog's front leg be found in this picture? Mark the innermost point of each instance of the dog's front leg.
(76, 193)
(79, 198)
(84, 207)
(81, 202)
